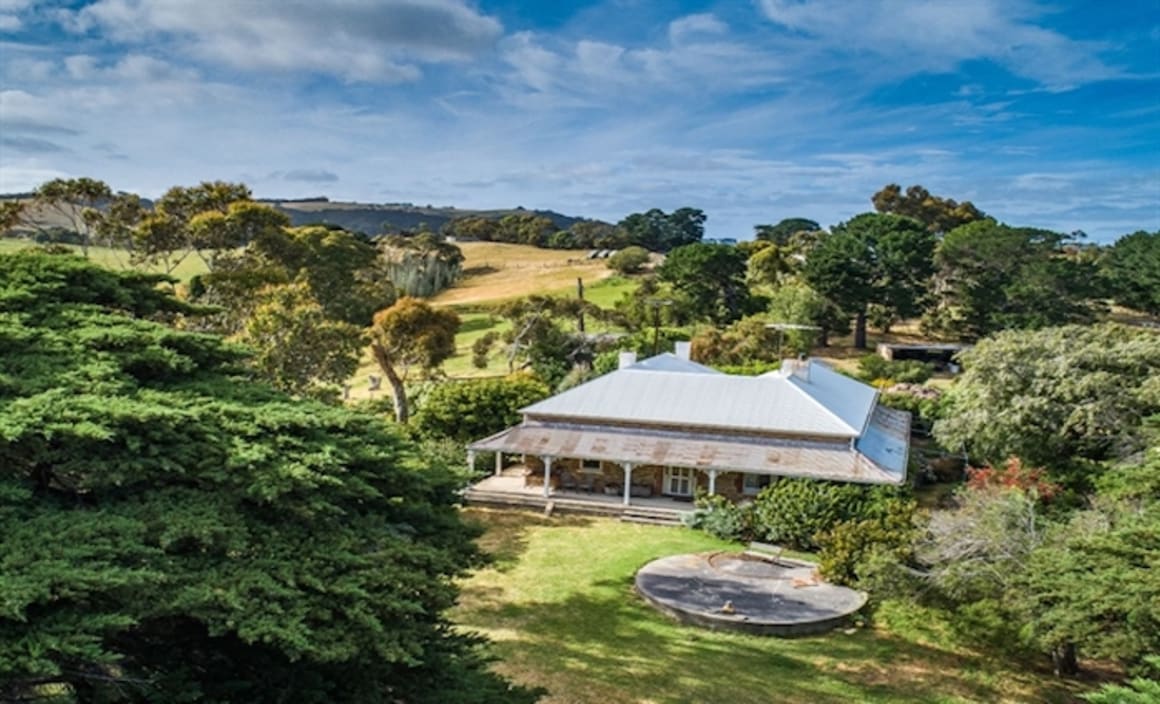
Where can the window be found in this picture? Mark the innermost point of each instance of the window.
(754, 483)
(679, 481)
(590, 466)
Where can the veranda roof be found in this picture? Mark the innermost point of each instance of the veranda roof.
(791, 458)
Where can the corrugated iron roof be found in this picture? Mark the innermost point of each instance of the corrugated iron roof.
(650, 393)
(886, 441)
(816, 460)
(669, 362)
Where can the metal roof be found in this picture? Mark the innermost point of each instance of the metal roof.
(848, 399)
(669, 362)
(654, 392)
(790, 458)
(886, 441)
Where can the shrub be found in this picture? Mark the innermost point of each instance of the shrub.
(888, 532)
(873, 368)
(469, 410)
(629, 260)
(756, 368)
(722, 518)
(793, 512)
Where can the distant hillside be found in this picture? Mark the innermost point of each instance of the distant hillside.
(373, 218)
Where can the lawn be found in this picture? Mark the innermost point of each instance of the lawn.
(559, 606)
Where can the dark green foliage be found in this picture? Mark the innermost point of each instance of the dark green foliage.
(172, 532)
(1094, 584)
(874, 259)
(887, 531)
(711, 277)
(793, 512)
(873, 367)
(1131, 271)
(657, 231)
(476, 408)
(781, 233)
(1139, 690)
(993, 277)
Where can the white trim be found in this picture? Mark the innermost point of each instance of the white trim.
(682, 475)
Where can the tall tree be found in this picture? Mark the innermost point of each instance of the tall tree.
(938, 214)
(421, 265)
(874, 259)
(993, 277)
(1131, 269)
(411, 335)
(657, 231)
(295, 346)
(712, 279)
(781, 233)
(173, 532)
(75, 201)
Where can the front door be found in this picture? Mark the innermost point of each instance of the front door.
(678, 481)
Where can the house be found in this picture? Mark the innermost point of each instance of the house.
(668, 426)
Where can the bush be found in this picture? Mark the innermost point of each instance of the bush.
(750, 369)
(474, 409)
(720, 517)
(629, 260)
(887, 533)
(793, 512)
(873, 368)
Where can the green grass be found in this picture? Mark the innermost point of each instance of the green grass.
(116, 259)
(559, 606)
(606, 292)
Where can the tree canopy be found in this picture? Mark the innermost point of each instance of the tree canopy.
(712, 279)
(993, 277)
(411, 335)
(936, 213)
(781, 233)
(173, 532)
(874, 259)
(1055, 396)
(1131, 269)
(658, 231)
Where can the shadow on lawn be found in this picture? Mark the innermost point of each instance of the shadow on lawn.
(506, 536)
(612, 641)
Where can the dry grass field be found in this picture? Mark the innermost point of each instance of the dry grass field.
(495, 272)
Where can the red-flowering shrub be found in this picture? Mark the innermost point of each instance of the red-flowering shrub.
(1013, 475)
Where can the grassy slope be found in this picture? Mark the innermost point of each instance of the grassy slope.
(558, 602)
(497, 272)
(116, 259)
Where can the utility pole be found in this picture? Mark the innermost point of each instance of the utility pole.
(580, 295)
(656, 304)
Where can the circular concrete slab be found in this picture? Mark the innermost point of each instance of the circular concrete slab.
(734, 591)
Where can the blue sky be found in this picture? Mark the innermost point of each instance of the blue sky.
(1043, 114)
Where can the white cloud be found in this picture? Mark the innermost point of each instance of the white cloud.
(938, 35)
(10, 23)
(691, 25)
(361, 40)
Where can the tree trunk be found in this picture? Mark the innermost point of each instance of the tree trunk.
(860, 330)
(1064, 661)
(398, 391)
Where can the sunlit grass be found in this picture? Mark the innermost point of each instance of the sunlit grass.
(559, 604)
